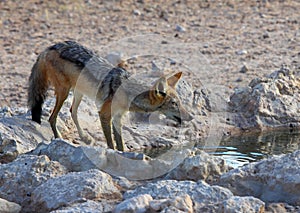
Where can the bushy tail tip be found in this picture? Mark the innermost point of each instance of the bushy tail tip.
(37, 90)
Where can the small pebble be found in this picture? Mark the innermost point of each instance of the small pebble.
(261, 15)
(266, 35)
(164, 15)
(172, 62)
(180, 28)
(244, 69)
(241, 52)
(137, 12)
(154, 67)
(239, 79)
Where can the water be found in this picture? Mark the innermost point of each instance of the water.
(243, 149)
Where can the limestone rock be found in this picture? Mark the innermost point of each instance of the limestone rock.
(129, 165)
(19, 135)
(73, 187)
(201, 166)
(189, 196)
(80, 158)
(242, 204)
(19, 178)
(276, 179)
(9, 207)
(87, 207)
(178, 204)
(202, 194)
(270, 102)
(124, 183)
(138, 204)
(281, 207)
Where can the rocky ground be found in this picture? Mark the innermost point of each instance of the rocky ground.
(57, 176)
(232, 55)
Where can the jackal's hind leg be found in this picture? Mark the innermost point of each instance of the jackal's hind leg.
(117, 128)
(61, 96)
(106, 122)
(74, 108)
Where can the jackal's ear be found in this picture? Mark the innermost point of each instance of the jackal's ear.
(173, 80)
(159, 90)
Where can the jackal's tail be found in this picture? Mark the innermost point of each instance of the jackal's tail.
(37, 90)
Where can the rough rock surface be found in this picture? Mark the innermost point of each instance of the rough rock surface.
(182, 203)
(67, 154)
(19, 178)
(189, 196)
(201, 193)
(9, 207)
(201, 166)
(145, 203)
(138, 204)
(128, 164)
(270, 102)
(18, 135)
(87, 207)
(73, 187)
(281, 207)
(276, 179)
(242, 204)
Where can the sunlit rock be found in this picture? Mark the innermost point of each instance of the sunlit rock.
(73, 187)
(270, 102)
(276, 179)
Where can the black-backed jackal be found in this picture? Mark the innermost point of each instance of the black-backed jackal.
(68, 65)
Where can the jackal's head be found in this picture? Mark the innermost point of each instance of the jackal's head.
(164, 96)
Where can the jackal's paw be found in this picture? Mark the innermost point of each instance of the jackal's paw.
(87, 139)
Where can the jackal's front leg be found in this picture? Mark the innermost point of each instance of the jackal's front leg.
(117, 128)
(106, 122)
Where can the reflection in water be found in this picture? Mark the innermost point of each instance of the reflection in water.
(243, 149)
